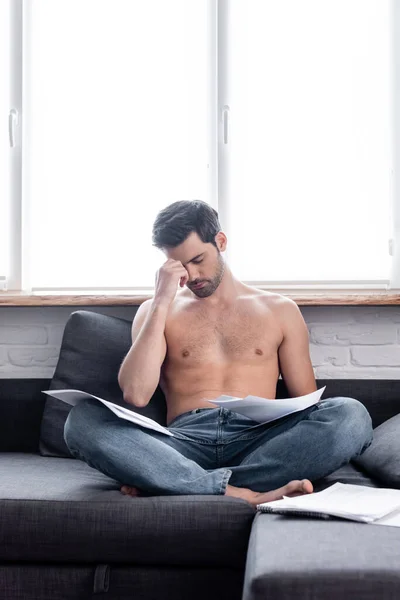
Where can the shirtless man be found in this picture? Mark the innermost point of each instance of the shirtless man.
(205, 334)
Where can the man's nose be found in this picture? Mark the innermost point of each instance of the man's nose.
(193, 274)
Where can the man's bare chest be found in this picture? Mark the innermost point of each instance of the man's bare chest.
(231, 335)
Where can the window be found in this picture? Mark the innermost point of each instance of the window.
(119, 128)
(276, 112)
(309, 88)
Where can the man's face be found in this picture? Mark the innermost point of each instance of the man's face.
(203, 263)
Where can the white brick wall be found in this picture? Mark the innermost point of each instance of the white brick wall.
(30, 338)
(345, 342)
(354, 341)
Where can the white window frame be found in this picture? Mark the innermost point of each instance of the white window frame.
(19, 276)
(17, 240)
(394, 242)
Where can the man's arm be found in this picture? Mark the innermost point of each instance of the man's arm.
(140, 371)
(139, 374)
(294, 353)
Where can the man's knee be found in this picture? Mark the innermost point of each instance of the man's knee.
(353, 424)
(81, 418)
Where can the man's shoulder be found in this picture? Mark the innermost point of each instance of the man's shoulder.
(272, 300)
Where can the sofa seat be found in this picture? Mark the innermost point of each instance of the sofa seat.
(58, 509)
(301, 557)
(297, 556)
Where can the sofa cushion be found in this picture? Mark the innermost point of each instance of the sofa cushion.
(92, 350)
(300, 557)
(382, 458)
(55, 509)
(349, 473)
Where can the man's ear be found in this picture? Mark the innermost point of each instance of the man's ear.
(221, 241)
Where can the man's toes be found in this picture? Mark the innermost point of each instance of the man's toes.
(307, 486)
(130, 491)
(298, 488)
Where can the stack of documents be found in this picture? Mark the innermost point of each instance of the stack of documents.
(376, 506)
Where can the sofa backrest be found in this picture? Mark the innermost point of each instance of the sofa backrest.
(22, 405)
(21, 411)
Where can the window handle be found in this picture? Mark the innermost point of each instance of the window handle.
(12, 124)
(225, 116)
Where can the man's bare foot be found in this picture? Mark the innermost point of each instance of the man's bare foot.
(130, 491)
(291, 489)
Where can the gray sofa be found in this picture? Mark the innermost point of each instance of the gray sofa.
(66, 531)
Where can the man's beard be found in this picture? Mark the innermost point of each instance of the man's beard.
(210, 286)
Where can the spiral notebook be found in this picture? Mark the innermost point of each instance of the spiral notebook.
(375, 506)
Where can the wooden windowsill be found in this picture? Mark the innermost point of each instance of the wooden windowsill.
(327, 298)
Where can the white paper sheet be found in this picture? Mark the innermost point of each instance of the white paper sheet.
(378, 506)
(265, 410)
(392, 519)
(72, 397)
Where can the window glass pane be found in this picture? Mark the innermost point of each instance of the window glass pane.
(4, 143)
(310, 147)
(120, 123)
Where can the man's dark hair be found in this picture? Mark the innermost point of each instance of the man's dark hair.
(178, 220)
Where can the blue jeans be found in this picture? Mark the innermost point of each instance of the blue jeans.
(214, 446)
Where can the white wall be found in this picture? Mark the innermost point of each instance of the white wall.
(345, 342)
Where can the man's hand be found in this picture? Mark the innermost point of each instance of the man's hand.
(168, 276)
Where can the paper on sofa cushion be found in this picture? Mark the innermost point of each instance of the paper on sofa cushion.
(354, 502)
(265, 410)
(72, 397)
(391, 520)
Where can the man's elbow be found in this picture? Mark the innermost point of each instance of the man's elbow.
(131, 394)
(130, 397)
